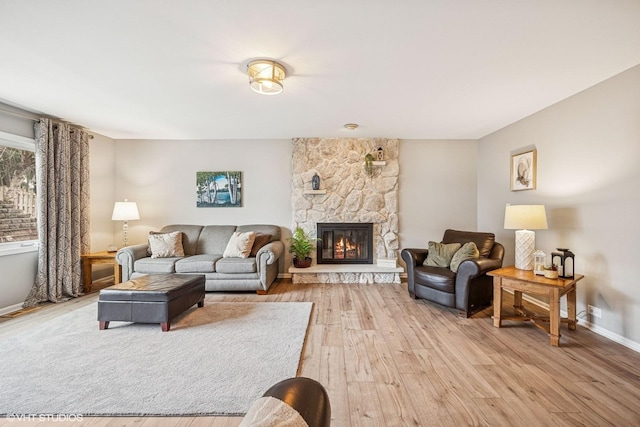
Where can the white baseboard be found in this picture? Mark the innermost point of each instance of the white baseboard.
(592, 327)
(10, 309)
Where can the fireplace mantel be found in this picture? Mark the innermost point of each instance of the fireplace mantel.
(345, 273)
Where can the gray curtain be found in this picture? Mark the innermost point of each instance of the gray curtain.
(62, 174)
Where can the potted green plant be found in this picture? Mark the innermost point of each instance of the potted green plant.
(368, 164)
(301, 245)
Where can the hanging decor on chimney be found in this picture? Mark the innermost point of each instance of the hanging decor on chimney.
(266, 76)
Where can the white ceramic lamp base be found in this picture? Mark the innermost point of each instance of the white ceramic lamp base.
(525, 247)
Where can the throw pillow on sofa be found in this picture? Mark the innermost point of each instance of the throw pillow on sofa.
(165, 245)
(467, 251)
(259, 242)
(239, 245)
(440, 254)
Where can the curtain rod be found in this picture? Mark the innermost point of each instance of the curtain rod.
(34, 119)
(15, 113)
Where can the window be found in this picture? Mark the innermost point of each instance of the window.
(18, 212)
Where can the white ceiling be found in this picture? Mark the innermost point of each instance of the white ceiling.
(410, 69)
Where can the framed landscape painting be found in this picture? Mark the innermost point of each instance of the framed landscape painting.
(523, 171)
(219, 189)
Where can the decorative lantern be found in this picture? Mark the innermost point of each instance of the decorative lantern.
(380, 154)
(539, 260)
(567, 259)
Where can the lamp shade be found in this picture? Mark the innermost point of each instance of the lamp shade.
(266, 76)
(521, 217)
(125, 211)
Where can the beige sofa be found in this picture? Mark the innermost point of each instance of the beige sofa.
(203, 249)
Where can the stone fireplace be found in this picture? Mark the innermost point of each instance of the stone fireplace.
(347, 195)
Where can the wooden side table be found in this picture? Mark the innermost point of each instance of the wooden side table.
(526, 281)
(104, 257)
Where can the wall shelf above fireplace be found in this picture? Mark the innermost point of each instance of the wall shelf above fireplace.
(314, 192)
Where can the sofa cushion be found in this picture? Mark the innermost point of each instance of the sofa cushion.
(440, 254)
(239, 245)
(166, 245)
(204, 263)
(259, 242)
(236, 265)
(190, 236)
(214, 238)
(272, 230)
(156, 265)
(468, 251)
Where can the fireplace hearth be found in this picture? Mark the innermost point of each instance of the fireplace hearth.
(345, 243)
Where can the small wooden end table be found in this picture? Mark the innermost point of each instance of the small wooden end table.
(104, 257)
(526, 281)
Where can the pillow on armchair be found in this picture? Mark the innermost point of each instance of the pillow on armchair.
(467, 251)
(440, 254)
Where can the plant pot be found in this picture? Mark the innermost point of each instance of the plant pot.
(302, 263)
(551, 274)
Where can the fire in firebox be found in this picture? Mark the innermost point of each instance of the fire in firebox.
(345, 243)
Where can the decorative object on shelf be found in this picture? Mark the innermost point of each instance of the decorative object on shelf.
(266, 76)
(301, 245)
(539, 261)
(565, 255)
(368, 164)
(125, 211)
(523, 219)
(551, 271)
(219, 189)
(380, 154)
(523, 171)
(315, 182)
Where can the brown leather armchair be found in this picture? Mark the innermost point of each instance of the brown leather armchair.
(307, 397)
(470, 289)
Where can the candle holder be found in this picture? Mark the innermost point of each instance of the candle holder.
(539, 261)
(567, 262)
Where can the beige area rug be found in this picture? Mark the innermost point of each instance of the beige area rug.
(216, 360)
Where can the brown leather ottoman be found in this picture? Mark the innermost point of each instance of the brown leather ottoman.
(155, 298)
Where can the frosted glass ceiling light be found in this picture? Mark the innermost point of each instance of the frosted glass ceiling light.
(266, 76)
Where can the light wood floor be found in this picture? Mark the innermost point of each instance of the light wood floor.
(387, 360)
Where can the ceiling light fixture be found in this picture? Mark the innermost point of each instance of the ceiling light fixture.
(351, 126)
(266, 76)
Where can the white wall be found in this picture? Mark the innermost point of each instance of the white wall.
(589, 179)
(18, 273)
(438, 180)
(160, 176)
(102, 176)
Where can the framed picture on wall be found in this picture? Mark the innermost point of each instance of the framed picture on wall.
(219, 189)
(523, 171)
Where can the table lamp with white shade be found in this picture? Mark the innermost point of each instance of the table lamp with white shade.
(125, 211)
(523, 219)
